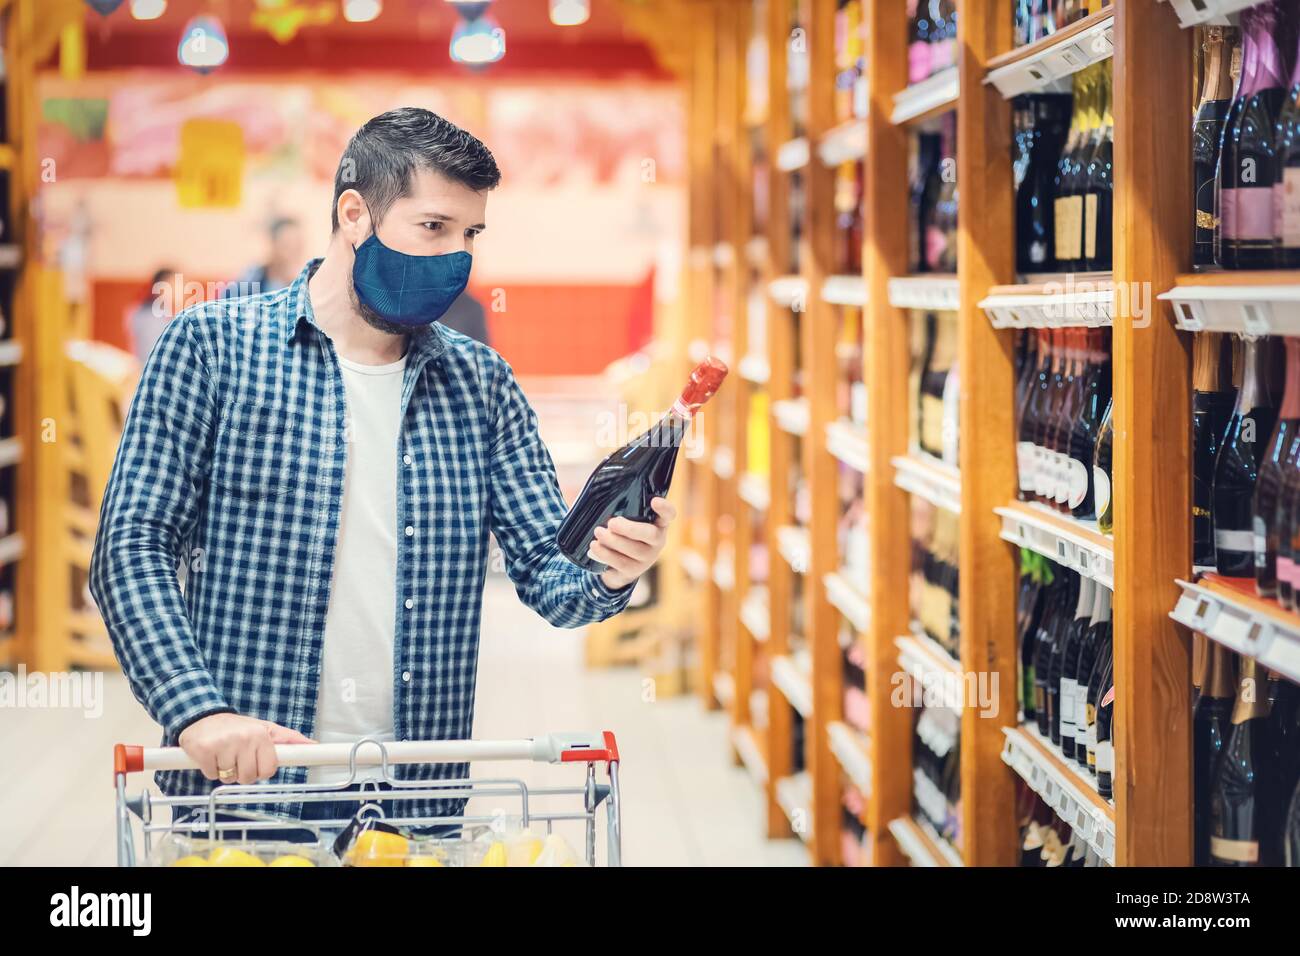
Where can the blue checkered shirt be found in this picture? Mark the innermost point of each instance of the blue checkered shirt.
(231, 470)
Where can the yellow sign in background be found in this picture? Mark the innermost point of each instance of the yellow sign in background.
(210, 170)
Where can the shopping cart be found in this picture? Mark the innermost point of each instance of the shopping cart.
(588, 749)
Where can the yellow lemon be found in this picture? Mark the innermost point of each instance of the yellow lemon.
(496, 855)
(222, 856)
(523, 851)
(424, 861)
(378, 848)
(291, 859)
(190, 860)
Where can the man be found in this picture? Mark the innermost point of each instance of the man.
(326, 461)
(282, 265)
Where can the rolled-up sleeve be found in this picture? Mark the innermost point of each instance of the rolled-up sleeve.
(149, 510)
(526, 511)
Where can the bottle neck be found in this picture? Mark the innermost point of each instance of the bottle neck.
(1263, 58)
(1218, 681)
(1087, 598)
(1252, 692)
(1251, 395)
(1206, 367)
(1101, 606)
(1218, 79)
(1291, 392)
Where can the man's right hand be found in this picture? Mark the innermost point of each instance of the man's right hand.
(232, 748)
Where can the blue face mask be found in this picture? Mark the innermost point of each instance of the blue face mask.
(408, 290)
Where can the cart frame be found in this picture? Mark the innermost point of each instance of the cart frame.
(589, 749)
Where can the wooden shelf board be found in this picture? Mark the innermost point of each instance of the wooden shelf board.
(1046, 304)
(793, 683)
(1042, 66)
(1228, 611)
(931, 97)
(845, 143)
(754, 613)
(850, 600)
(932, 479)
(852, 749)
(939, 291)
(847, 442)
(916, 844)
(1076, 544)
(751, 754)
(794, 796)
(1194, 12)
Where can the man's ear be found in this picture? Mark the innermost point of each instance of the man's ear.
(354, 216)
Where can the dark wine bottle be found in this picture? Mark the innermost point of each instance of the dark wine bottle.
(1272, 468)
(1291, 837)
(1026, 449)
(1035, 197)
(1101, 471)
(1098, 683)
(1286, 187)
(1283, 763)
(1237, 801)
(1094, 639)
(1087, 426)
(1037, 572)
(1212, 399)
(1068, 199)
(1046, 692)
(626, 482)
(1237, 467)
(1106, 733)
(1065, 663)
(1097, 182)
(1211, 725)
(1207, 134)
(1247, 170)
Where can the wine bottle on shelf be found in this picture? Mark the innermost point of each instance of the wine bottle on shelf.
(1065, 663)
(918, 46)
(626, 482)
(1035, 596)
(1278, 457)
(1207, 134)
(1068, 202)
(1286, 187)
(1063, 426)
(1087, 425)
(1101, 471)
(941, 239)
(1238, 804)
(1097, 685)
(1048, 116)
(1237, 467)
(1098, 209)
(1291, 837)
(1211, 725)
(1247, 167)
(1094, 639)
(1212, 399)
(1047, 468)
(1046, 692)
(925, 195)
(1105, 733)
(1027, 427)
(1284, 762)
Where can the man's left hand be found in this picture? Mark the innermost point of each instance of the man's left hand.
(630, 547)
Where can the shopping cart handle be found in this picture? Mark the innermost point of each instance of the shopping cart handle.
(548, 748)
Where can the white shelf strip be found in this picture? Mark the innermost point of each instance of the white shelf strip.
(931, 666)
(754, 368)
(1064, 790)
(908, 837)
(724, 463)
(936, 481)
(792, 542)
(1251, 310)
(11, 549)
(850, 601)
(789, 291)
(1269, 638)
(1073, 306)
(846, 143)
(847, 442)
(724, 688)
(938, 292)
(11, 352)
(930, 94)
(724, 572)
(946, 850)
(10, 255)
(754, 613)
(753, 490)
(793, 684)
(742, 738)
(793, 154)
(1194, 12)
(724, 254)
(11, 451)
(849, 746)
(794, 795)
(1045, 70)
(693, 563)
(792, 415)
(845, 290)
(1044, 536)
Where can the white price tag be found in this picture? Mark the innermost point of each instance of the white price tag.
(1283, 655)
(1255, 318)
(1233, 630)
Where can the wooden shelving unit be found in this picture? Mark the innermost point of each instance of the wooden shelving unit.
(1147, 560)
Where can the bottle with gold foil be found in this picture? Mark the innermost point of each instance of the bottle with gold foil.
(1207, 134)
(1238, 799)
(1211, 727)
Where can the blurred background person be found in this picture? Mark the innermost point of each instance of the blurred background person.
(283, 263)
(152, 313)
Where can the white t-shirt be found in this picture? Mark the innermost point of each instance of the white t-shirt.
(356, 682)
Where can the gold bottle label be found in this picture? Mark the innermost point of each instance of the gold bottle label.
(1235, 851)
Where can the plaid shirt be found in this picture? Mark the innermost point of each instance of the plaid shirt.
(231, 469)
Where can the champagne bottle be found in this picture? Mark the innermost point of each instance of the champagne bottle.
(1101, 471)
(1291, 845)
(1098, 683)
(1212, 399)
(1211, 725)
(1237, 466)
(1286, 187)
(1094, 640)
(1046, 692)
(1106, 733)
(1065, 664)
(1278, 456)
(1236, 810)
(1036, 391)
(1068, 213)
(1207, 134)
(1098, 182)
(626, 482)
(1087, 426)
(1247, 168)
(1035, 196)
(1037, 572)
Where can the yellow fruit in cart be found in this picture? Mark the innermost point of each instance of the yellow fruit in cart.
(523, 850)
(191, 860)
(223, 856)
(291, 859)
(378, 848)
(424, 861)
(496, 855)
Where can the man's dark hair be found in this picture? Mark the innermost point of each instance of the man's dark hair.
(383, 155)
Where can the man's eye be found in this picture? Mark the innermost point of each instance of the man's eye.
(432, 226)
(471, 233)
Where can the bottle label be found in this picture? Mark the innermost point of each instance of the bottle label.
(1090, 226)
(1234, 851)
(1261, 542)
(1101, 484)
(1254, 214)
(1078, 483)
(1069, 223)
(1069, 692)
(1105, 757)
(1025, 465)
(1234, 539)
(1227, 213)
(1285, 569)
(1081, 710)
(1288, 206)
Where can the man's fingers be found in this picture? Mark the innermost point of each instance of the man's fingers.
(665, 510)
(246, 764)
(284, 735)
(619, 562)
(639, 530)
(633, 548)
(266, 760)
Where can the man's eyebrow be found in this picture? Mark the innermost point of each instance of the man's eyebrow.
(443, 217)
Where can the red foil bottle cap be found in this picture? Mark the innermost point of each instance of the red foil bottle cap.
(703, 384)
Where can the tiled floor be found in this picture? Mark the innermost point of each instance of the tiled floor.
(685, 803)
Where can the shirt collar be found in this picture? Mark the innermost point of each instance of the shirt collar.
(426, 340)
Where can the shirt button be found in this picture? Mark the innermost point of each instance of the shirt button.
(406, 676)
(409, 604)
(409, 531)
(406, 459)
